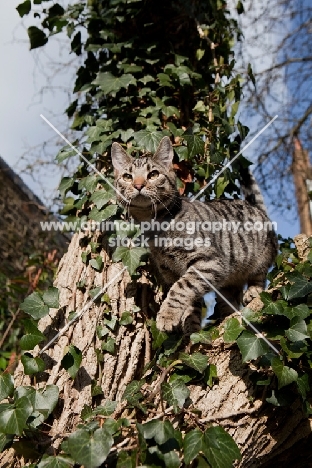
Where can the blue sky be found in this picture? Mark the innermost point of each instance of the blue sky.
(23, 75)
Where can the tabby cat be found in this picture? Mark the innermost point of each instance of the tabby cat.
(226, 259)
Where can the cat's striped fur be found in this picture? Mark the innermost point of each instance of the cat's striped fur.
(232, 260)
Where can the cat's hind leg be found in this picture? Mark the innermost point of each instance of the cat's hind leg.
(222, 309)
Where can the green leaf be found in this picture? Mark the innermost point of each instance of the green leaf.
(43, 401)
(103, 215)
(126, 319)
(58, 461)
(5, 441)
(13, 417)
(148, 139)
(197, 361)
(302, 311)
(131, 258)
(192, 443)
(232, 329)
(65, 185)
(33, 337)
(109, 345)
(297, 331)
(24, 8)
(158, 336)
(275, 308)
(96, 263)
(37, 37)
(160, 431)
(72, 360)
(220, 186)
(204, 336)
(210, 374)
(303, 385)
(101, 197)
(107, 409)
(90, 450)
(300, 288)
(133, 392)
(110, 83)
(32, 365)
(6, 386)
(251, 346)
(51, 298)
(219, 448)
(285, 375)
(175, 392)
(34, 306)
(195, 145)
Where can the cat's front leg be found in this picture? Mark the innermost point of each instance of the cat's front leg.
(181, 310)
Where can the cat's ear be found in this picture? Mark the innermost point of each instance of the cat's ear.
(120, 158)
(164, 153)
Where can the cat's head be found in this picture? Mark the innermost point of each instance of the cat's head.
(148, 182)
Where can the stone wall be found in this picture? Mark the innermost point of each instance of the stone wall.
(20, 231)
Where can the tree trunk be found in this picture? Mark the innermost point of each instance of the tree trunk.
(261, 431)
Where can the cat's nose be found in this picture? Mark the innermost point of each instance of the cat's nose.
(139, 186)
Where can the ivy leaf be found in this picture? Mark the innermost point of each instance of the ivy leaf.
(220, 186)
(133, 392)
(251, 346)
(13, 417)
(109, 345)
(5, 441)
(219, 448)
(37, 37)
(210, 374)
(51, 298)
(6, 386)
(59, 461)
(24, 8)
(232, 329)
(107, 409)
(126, 319)
(43, 401)
(275, 308)
(197, 361)
(32, 365)
(195, 145)
(285, 374)
(110, 83)
(204, 336)
(301, 311)
(72, 360)
(90, 450)
(33, 336)
(101, 197)
(300, 288)
(160, 431)
(148, 139)
(102, 215)
(192, 443)
(158, 336)
(175, 392)
(297, 331)
(96, 263)
(131, 258)
(34, 306)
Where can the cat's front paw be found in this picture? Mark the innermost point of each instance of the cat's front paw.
(167, 320)
(251, 293)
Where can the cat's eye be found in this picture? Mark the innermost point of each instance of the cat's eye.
(153, 175)
(127, 177)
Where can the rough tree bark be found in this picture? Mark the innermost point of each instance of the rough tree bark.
(263, 432)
